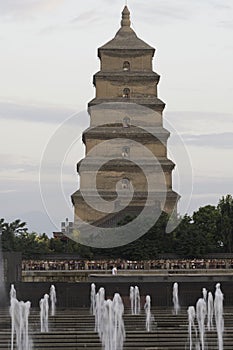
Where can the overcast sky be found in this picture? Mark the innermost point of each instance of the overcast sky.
(48, 57)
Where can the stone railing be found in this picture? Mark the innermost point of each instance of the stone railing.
(83, 275)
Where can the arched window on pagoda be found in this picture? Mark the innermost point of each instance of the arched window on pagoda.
(126, 66)
(126, 122)
(125, 152)
(125, 184)
(126, 93)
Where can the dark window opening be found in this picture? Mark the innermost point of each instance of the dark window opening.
(126, 122)
(125, 184)
(125, 151)
(126, 66)
(126, 93)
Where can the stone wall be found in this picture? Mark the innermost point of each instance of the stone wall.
(12, 266)
(78, 294)
(138, 62)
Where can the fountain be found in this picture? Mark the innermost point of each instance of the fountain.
(44, 314)
(110, 325)
(131, 297)
(147, 308)
(12, 292)
(107, 336)
(204, 294)
(201, 315)
(210, 311)
(19, 312)
(53, 299)
(218, 313)
(175, 299)
(118, 323)
(135, 303)
(93, 299)
(99, 311)
(2, 275)
(191, 319)
(108, 319)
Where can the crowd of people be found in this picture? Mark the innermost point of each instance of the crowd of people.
(166, 264)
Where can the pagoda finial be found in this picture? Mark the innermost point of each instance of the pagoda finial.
(125, 22)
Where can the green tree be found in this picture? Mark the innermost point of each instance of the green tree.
(9, 230)
(185, 242)
(155, 241)
(31, 244)
(56, 245)
(225, 222)
(205, 222)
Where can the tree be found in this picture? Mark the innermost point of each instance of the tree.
(225, 222)
(208, 230)
(31, 244)
(205, 222)
(9, 230)
(185, 243)
(155, 241)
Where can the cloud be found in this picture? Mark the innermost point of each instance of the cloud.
(227, 24)
(87, 16)
(216, 140)
(12, 161)
(215, 185)
(6, 191)
(11, 172)
(41, 114)
(219, 4)
(198, 123)
(199, 115)
(38, 221)
(164, 11)
(26, 205)
(50, 30)
(23, 169)
(25, 8)
(206, 190)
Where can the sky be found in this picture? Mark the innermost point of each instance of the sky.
(48, 57)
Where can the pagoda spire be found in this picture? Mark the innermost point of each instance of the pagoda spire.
(125, 21)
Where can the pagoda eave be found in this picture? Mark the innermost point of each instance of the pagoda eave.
(124, 51)
(150, 102)
(119, 164)
(132, 75)
(134, 133)
(109, 195)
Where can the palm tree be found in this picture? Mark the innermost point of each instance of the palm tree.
(9, 230)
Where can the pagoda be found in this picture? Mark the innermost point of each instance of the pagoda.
(126, 143)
